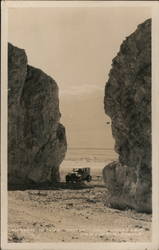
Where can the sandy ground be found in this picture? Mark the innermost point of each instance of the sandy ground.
(73, 213)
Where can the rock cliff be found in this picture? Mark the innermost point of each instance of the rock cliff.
(128, 103)
(36, 140)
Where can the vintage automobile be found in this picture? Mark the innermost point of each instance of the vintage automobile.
(79, 175)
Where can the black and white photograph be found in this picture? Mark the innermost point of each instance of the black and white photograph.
(78, 96)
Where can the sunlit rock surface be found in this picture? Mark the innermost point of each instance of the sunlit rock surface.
(36, 139)
(128, 103)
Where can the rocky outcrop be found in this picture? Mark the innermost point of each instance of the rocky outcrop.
(128, 103)
(36, 139)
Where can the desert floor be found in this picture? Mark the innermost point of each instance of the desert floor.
(73, 213)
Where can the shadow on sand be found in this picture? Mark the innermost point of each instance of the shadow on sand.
(54, 186)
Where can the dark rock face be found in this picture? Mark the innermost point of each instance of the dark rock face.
(36, 140)
(128, 103)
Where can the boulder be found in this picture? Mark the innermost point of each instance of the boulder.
(36, 139)
(128, 103)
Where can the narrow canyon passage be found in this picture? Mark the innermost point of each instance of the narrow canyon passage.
(97, 116)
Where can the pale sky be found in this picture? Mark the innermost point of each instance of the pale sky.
(76, 46)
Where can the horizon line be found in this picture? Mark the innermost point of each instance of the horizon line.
(90, 148)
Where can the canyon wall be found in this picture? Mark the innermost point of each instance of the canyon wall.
(36, 139)
(128, 103)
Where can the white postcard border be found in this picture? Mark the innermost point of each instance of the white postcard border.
(154, 245)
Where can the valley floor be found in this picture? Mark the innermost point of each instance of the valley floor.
(73, 213)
